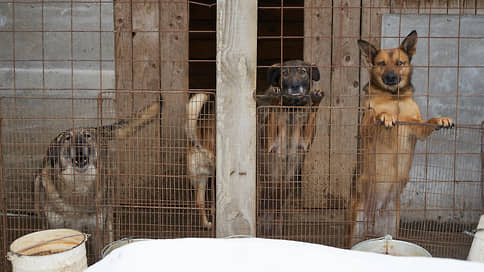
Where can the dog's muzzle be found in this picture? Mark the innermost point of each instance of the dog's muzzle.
(295, 90)
(390, 79)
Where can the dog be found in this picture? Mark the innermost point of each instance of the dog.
(288, 110)
(290, 128)
(70, 189)
(390, 126)
(288, 85)
(201, 154)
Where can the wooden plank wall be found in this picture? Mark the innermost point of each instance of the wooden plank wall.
(137, 72)
(328, 176)
(317, 50)
(151, 51)
(174, 83)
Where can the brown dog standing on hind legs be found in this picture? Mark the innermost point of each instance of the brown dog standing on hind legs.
(390, 127)
(289, 129)
(287, 132)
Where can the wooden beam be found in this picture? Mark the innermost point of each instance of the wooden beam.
(174, 86)
(345, 94)
(317, 50)
(137, 75)
(236, 117)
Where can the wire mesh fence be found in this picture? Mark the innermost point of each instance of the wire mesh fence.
(71, 68)
(83, 144)
(424, 190)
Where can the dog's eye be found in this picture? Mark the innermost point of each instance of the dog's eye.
(285, 73)
(303, 71)
(87, 135)
(400, 63)
(68, 137)
(381, 63)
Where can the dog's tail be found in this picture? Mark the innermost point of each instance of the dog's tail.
(125, 128)
(194, 107)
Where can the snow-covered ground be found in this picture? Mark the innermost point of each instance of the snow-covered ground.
(255, 254)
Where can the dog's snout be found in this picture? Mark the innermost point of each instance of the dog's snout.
(81, 158)
(81, 153)
(390, 78)
(295, 87)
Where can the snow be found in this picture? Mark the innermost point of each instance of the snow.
(255, 254)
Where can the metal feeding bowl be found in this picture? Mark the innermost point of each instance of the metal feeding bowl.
(386, 245)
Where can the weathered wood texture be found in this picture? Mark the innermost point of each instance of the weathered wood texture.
(317, 50)
(329, 180)
(174, 86)
(236, 117)
(137, 72)
(345, 91)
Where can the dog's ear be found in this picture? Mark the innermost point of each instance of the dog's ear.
(274, 75)
(315, 73)
(368, 50)
(409, 44)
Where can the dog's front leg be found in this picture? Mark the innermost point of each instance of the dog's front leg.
(271, 97)
(426, 128)
(277, 131)
(309, 128)
(387, 119)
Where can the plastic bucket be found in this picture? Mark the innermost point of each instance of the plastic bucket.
(476, 253)
(49, 250)
(386, 245)
(119, 243)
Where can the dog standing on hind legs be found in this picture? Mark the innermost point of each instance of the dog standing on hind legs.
(390, 128)
(287, 131)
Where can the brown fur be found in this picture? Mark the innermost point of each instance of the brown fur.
(286, 134)
(390, 128)
(201, 153)
(289, 130)
(71, 188)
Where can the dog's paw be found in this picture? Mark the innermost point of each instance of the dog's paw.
(443, 122)
(207, 225)
(273, 148)
(274, 91)
(388, 120)
(304, 146)
(317, 95)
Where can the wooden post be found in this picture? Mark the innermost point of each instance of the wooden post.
(137, 71)
(236, 117)
(317, 50)
(174, 84)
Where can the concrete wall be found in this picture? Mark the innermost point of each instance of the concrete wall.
(447, 80)
(52, 69)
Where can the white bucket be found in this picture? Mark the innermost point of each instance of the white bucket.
(476, 253)
(49, 250)
(386, 245)
(119, 243)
